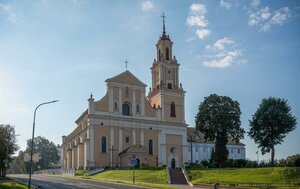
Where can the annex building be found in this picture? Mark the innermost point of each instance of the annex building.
(129, 124)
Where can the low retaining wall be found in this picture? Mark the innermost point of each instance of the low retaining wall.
(69, 172)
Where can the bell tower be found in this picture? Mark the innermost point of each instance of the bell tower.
(166, 92)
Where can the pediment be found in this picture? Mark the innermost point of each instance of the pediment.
(126, 78)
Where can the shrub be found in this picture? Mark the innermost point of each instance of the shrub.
(205, 163)
(293, 160)
(80, 172)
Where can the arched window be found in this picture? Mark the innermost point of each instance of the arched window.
(116, 105)
(137, 108)
(103, 144)
(159, 54)
(126, 92)
(126, 109)
(167, 53)
(173, 114)
(151, 147)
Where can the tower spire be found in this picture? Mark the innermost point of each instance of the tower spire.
(164, 28)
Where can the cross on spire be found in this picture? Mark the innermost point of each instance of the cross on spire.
(126, 64)
(164, 28)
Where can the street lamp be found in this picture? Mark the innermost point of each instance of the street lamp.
(31, 153)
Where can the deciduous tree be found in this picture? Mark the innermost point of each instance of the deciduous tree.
(219, 119)
(270, 124)
(48, 151)
(8, 146)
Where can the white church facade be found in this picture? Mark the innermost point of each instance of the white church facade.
(127, 124)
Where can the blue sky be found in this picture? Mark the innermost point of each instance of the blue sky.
(53, 49)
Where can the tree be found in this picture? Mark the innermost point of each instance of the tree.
(271, 123)
(219, 119)
(8, 146)
(48, 151)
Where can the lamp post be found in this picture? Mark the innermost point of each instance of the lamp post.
(31, 153)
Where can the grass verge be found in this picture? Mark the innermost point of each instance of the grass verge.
(8, 185)
(267, 177)
(147, 176)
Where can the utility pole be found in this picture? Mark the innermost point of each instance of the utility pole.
(191, 141)
(32, 138)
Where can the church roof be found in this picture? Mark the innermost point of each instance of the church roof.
(135, 149)
(126, 78)
(198, 137)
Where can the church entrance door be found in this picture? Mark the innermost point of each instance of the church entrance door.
(138, 164)
(173, 163)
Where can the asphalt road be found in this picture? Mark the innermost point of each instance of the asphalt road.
(56, 182)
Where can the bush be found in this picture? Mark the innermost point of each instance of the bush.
(80, 172)
(204, 163)
(293, 161)
(251, 163)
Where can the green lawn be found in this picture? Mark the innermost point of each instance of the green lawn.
(230, 176)
(148, 176)
(8, 185)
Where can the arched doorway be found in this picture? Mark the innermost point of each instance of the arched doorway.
(138, 164)
(173, 163)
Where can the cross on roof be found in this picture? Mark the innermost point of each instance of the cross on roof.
(126, 64)
(163, 17)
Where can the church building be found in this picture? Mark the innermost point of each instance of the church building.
(127, 124)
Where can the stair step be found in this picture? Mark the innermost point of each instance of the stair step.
(177, 177)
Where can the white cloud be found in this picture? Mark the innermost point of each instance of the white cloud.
(225, 4)
(265, 18)
(190, 39)
(258, 16)
(11, 13)
(222, 54)
(220, 44)
(147, 5)
(197, 18)
(255, 3)
(281, 16)
(202, 33)
(199, 9)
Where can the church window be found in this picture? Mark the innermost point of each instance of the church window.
(126, 109)
(173, 114)
(169, 85)
(127, 139)
(151, 147)
(159, 55)
(127, 92)
(167, 53)
(172, 150)
(103, 144)
(116, 105)
(137, 108)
